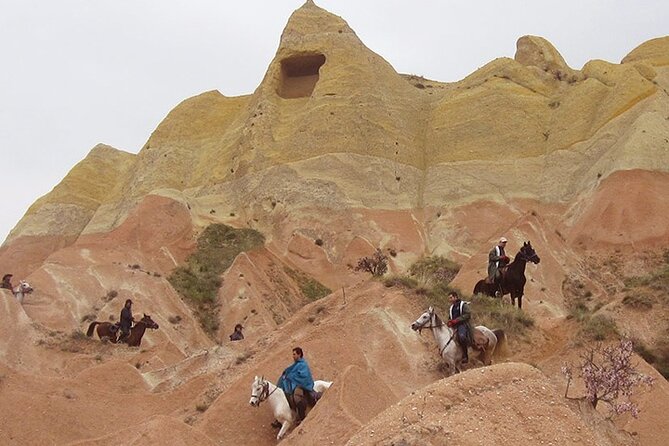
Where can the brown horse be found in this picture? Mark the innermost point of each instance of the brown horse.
(105, 330)
(513, 277)
(110, 331)
(137, 331)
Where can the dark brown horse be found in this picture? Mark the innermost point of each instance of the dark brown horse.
(137, 331)
(105, 330)
(513, 277)
(110, 331)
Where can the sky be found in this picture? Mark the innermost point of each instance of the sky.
(76, 73)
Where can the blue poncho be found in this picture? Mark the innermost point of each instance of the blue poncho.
(298, 374)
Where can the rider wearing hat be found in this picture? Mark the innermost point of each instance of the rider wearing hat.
(497, 258)
(126, 320)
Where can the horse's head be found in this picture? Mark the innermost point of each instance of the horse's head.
(528, 253)
(24, 287)
(259, 391)
(423, 320)
(150, 323)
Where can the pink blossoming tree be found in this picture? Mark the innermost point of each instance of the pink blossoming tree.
(609, 376)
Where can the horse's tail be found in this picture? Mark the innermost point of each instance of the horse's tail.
(91, 328)
(479, 287)
(501, 349)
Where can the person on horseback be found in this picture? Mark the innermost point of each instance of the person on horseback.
(126, 320)
(237, 335)
(7, 282)
(296, 380)
(497, 258)
(459, 316)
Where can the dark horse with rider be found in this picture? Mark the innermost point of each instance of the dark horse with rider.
(504, 277)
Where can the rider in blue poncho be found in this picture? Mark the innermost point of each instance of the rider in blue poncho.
(297, 374)
(297, 379)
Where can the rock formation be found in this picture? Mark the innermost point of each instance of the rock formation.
(334, 155)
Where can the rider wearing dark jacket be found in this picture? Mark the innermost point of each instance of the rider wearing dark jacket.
(126, 320)
(459, 316)
(497, 258)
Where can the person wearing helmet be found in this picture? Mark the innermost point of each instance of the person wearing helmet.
(126, 320)
(497, 258)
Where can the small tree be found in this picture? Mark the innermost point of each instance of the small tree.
(377, 264)
(609, 376)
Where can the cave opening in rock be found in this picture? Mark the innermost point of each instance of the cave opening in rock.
(299, 75)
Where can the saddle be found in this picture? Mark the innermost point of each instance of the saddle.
(308, 397)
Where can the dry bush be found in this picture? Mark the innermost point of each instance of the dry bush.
(376, 265)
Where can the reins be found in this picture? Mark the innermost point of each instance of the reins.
(264, 393)
(441, 350)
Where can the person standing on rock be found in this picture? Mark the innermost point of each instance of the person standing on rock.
(296, 380)
(459, 316)
(237, 335)
(126, 320)
(497, 258)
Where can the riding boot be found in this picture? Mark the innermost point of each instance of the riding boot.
(300, 412)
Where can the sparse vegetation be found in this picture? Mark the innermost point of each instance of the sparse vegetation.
(199, 280)
(174, 319)
(310, 287)
(638, 301)
(243, 357)
(403, 281)
(430, 271)
(599, 328)
(318, 242)
(376, 265)
(202, 407)
(493, 313)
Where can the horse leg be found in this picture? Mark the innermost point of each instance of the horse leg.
(520, 300)
(284, 428)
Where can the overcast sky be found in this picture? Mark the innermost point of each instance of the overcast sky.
(75, 73)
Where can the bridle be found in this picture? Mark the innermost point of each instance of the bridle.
(264, 392)
(526, 258)
(453, 332)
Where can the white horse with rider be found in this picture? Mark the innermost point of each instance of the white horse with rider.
(264, 390)
(485, 341)
(21, 290)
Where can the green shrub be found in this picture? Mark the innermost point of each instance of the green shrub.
(599, 328)
(401, 281)
(198, 281)
(493, 313)
(310, 287)
(434, 270)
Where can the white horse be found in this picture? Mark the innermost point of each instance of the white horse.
(263, 390)
(21, 290)
(485, 340)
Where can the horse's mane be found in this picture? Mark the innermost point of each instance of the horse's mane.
(437, 320)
